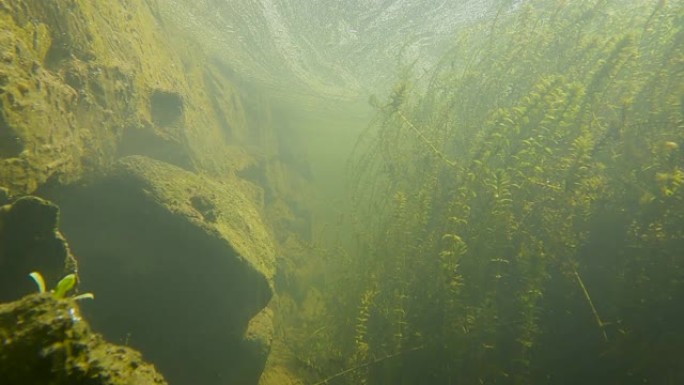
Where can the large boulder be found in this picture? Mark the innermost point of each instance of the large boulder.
(180, 264)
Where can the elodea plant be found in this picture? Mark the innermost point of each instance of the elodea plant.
(60, 291)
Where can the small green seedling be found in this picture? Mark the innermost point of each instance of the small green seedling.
(63, 286)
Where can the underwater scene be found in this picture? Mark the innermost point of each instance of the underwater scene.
(377, 192)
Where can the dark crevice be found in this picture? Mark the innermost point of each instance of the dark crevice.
(166, 108)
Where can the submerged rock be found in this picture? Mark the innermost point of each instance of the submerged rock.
(44, 340)
(180, 264)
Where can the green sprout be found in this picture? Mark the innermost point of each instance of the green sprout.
(63, 286)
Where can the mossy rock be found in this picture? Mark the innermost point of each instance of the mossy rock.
(44, 340)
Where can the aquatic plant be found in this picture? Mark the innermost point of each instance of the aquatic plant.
(64, 286)
(528, 195)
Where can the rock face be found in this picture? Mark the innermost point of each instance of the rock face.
(163, 162)
(82, 85)
(45, 341)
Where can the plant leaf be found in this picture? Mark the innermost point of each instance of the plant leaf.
(38, 279)
(83, 296)
(67, 283)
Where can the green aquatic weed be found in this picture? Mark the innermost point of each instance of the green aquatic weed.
(60, 291)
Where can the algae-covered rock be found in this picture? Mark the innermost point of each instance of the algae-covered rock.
(222, 209)
(79, 89)
(257, 342)
(180, 264)
(44, 340)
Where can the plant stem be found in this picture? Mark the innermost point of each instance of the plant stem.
(426, 141)
(366, 364)
(593, 308)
